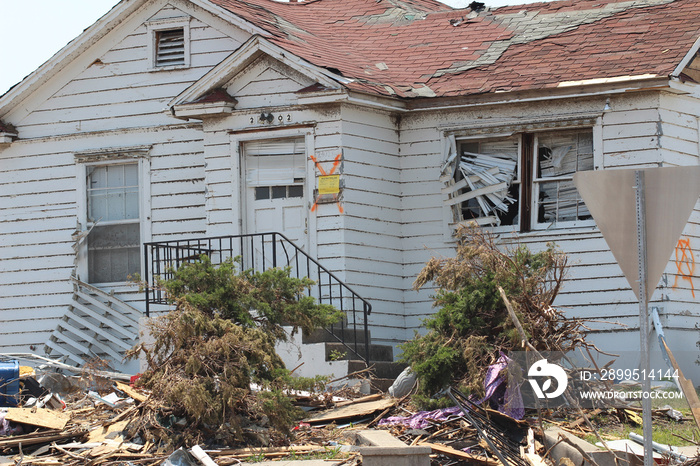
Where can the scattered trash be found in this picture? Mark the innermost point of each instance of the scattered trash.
(663, 449)
(403, 384)
(672, 413)
(9, 383)
(423, 419)
(180, 457)
(504, 397)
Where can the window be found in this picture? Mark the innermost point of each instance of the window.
(113, 215)
(522, 180)
(276, 168)
(169, 45)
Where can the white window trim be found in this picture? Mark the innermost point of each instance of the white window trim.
(164, 25)
(453, 136)
(112, 156)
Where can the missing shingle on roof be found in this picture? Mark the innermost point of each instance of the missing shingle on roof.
(477, 6)
(548, 24)
(423, 91)
(333, 70)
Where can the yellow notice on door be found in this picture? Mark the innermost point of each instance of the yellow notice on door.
(329, 184)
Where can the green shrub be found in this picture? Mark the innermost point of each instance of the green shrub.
(220, 339)
(472, 324)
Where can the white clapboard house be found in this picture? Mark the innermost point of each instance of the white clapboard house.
(361, 132)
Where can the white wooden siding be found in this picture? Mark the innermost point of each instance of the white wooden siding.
(119, 91)
(38, 197)
(639, 131)
(266, 83)
(372, 203)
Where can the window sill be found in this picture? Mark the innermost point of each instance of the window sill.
(156, 69)
(550, 229)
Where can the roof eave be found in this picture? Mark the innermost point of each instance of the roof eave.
(570, 91)
(60, 59)
(201, 110)
(687, 58)
(92, 35)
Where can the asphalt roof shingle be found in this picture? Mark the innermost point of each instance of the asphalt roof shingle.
(401, 46)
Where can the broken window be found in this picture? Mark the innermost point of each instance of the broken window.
(560, 155)
(522, 180)
(113, 214)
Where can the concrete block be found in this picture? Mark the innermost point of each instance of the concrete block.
(383, 449)
(391, 456)
(564, 450)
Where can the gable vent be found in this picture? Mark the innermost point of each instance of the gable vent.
(170, 47)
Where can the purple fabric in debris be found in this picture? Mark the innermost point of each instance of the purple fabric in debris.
(514, 406)
(503, 396)
(494, 379)
(7, 428)
(421, 419)
(4, 425)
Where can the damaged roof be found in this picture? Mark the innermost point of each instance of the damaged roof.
(422, 48)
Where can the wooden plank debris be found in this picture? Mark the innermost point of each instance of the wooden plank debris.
(458, 454)
(691, 395)
(40, 417)
(139, 397)
(40, 438)
(351, 411)
(364, 399)
(102, 433)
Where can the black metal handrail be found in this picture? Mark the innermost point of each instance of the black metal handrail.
(260, 251)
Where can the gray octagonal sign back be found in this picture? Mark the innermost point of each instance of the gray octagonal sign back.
(670, 195)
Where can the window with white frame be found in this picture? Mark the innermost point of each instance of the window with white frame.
(113, 214)
(524, 180)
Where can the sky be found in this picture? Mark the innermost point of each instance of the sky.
(32, 31)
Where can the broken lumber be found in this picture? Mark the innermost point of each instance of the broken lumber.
(39, 417)
(122, 387)
(364, 399)
(691, 395)
(40, 437)
(458, 454)
(350, 411)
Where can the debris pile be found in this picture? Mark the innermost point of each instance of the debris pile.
(92, 419)
(95, 420)
(472, 325)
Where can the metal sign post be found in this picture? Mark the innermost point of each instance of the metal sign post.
(643, 315)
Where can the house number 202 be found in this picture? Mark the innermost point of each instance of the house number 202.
(269, 118)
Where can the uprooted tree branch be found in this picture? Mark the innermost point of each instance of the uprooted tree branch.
(472, 324)
(218, 341)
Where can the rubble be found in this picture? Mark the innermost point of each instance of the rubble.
(109, 426)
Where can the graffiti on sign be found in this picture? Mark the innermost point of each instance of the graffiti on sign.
(328, 183)
(685, 263)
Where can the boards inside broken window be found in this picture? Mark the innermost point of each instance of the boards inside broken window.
(523, 180)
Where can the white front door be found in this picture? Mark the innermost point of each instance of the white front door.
(275, 177)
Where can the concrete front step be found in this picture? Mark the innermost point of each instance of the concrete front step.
(348, 335)
(338, 351)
